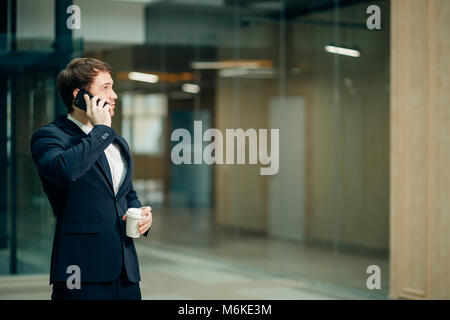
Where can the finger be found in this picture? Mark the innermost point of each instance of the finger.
(144, 228)
(146, 209)
(124, 217)
(88, 103)
(148, 218)
(148, 224)
(86, 99)
(101, 103)
(144, 221)
(94, 101)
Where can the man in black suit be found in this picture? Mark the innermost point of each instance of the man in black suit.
(86, 170)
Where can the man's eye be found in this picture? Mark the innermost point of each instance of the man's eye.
(105, 88)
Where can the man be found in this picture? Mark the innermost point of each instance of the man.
(86, 169)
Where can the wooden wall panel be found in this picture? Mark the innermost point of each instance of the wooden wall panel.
(420, 149)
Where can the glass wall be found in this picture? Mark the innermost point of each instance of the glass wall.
(322, 212)
(27, 102)
(34, 219)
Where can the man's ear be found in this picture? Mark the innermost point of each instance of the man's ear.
(75, 92)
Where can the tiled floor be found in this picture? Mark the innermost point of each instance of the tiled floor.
(195, 233)
(170, 275)
(187, 257)
(183, 276)
(167, 274)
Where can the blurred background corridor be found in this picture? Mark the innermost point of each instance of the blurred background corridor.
(224, 231)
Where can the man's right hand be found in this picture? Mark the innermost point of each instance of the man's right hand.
(96, 113)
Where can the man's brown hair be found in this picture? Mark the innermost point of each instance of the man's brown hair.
(79, 73)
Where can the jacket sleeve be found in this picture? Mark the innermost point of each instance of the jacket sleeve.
(63, 165)
(132, 199)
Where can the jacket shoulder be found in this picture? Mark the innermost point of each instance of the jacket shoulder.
(47, 133)
(48, 130)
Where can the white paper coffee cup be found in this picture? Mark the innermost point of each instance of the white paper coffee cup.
(134, 215)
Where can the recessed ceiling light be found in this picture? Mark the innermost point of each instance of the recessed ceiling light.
(144, 77)
(343, 51)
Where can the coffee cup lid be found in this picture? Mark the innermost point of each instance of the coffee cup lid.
(134, 213)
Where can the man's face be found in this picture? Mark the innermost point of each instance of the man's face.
(102, 87)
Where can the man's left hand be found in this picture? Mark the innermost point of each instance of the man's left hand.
(146, 222)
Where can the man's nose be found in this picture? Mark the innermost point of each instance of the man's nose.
(114, 95)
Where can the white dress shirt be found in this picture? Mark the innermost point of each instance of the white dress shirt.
(116, 161)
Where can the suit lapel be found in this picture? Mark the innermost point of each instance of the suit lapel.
(128, 164)
(103, 164)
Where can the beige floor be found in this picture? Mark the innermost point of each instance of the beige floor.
(170, 275)
(187, 257)
(339, 269)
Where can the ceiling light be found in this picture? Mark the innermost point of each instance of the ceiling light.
(139, 1)
(343, 51)
(190, 88)
(144, 77)
(249, 64)
(260, 73)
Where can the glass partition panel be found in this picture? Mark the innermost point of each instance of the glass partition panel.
(259, 132)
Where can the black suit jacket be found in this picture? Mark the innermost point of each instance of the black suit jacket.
(75, 175)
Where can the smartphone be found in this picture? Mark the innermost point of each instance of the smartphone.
(79, 101)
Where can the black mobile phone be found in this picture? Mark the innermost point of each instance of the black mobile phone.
(79, 101)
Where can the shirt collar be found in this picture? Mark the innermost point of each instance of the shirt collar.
(86, 129)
